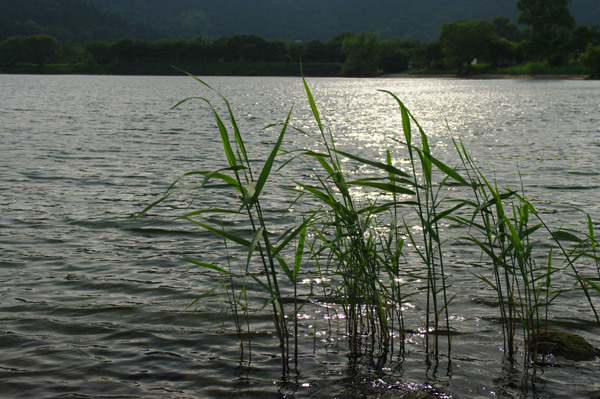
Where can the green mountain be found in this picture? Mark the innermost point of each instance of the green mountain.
(318, 19)
(70, 21)
(82, 21)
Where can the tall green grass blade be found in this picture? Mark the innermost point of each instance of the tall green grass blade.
(201, 211)
(392, 188)
(285, 268)
(591, 232)
(204, 295)
(264, 174)
(447, 170)
(223, 234)
(292, 235)
(237, 134)
(425, 166)
(267, 289)
(487, 280)
(253, 243)
(329, 200)
(379, 165)
(208, 266)
(313, 106)
(565, 236)
(225, 139)
(405, 118)
(549, 277)
(227, 179)
(299, 252)
(441, 215)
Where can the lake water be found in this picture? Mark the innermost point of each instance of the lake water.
(93, 305)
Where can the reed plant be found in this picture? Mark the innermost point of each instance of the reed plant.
(367, 265)
(240, 182)
(352, 235)
(503, 224)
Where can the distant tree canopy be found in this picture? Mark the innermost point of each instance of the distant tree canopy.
(464, 41)
(591, 59)
(361, 51)
(39, 50)
(550, 22)
(545, 15)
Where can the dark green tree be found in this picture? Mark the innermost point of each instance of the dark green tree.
(464, 41)
(392, 57)
(507, 30)
(501, 51)
(11, 51)
(315, 51)
(41, 49)
(547, 19)
(129, 50)
(581, 36)
(591, 59)
(277, 51)
(430, 54)
(246, 48)
(197, 50)
(100, 51)
(362, 52)
(334, 47)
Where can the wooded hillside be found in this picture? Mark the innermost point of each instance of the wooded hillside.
(319, 19)
(70, 21)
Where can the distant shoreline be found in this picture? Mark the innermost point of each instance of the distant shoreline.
(487, 77)
(325, 70)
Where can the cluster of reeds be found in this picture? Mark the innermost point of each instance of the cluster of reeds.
(356, 244)
(503, 224)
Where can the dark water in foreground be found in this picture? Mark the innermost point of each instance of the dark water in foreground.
(92, 305)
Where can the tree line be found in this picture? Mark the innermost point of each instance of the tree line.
(390, 55)
(550, 34)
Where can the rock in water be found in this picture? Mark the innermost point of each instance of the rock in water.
(558, 343)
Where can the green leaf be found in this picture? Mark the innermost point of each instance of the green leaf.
(405, 118)
(382, 186)
(445, 213)
(299, 252)
(253, 243)
(225, 139)
(313, 106)
(447, 170)
(267, 289)
(205, 294)
(285, 267)
(549, 275)
(380, 165)
(227, 179)
(563, 235)
(319, 194)
(207, 265)
(425, 165)
(211, 210)
(292, 235)
(223, 234)
(264, 174)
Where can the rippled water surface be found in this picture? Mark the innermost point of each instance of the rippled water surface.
(93, 305)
